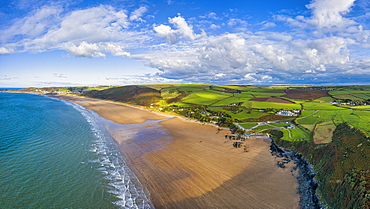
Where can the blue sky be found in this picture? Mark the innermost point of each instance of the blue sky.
(121, 42)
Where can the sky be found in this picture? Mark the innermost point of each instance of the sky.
(122, 42)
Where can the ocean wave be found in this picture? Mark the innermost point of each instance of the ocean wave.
(121, 181)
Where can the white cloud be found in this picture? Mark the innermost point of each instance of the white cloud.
(323, 45)
(137, 14)
(4, 50)
(183, 30)
(235, 21)
(33, 25)
(329, 13)
(89, 32)
(101, 23)
(94, 49)
(327, 16)
(213, 26)
(211, 15)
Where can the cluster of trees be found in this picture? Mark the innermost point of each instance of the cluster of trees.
(203, 114)
(353, 102)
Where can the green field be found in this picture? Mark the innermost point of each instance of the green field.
(357, 118)
(245, 115)
(346, 96)
(204, 97)
(295, 134)
(274, 105)
(335, 93)
(320, 106)
(324, 99)
(248, 125)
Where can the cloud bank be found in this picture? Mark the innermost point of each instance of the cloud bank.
(327, 45)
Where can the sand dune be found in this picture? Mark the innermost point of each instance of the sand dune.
(189, 165)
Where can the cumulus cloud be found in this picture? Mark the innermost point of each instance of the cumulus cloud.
(327, 16)
(91, 50)
(183, 30)
(329, 13)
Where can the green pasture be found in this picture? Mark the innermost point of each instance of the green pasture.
(265, 127)
(321, 115)
(362, 107)
(335, 93)
(245, 115)
(295, 134)
(305, 113)
(274, 105)
(229, 100)
(362, 96)
(320, 106)
(357, 118)
(204, 97)
(248, 125)
(346, 96)
(324, 99)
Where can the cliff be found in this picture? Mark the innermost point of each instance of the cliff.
(342, 167)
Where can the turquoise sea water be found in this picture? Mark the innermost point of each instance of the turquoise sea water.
(55, 154)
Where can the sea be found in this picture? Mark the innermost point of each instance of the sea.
(56, 154)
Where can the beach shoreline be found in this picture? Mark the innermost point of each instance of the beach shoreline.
(192, 165)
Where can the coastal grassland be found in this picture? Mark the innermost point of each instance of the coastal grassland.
(242, 115)
(320, 106)
(362, 96)
(295, 134)
(362, 107)
(305, 113)
(274, 105)
(323, 132)
(348, 92)
(345, 96)
(357, 118)
(248, 125)
(324, 99)
(236, 98)
(245, 114)
(179, 104)
(204, 97)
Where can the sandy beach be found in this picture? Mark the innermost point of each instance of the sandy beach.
(184, 164)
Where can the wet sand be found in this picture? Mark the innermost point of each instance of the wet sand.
(190, 165)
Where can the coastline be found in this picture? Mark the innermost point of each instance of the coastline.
(191, 165)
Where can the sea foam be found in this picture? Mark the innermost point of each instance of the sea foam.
(110, 162)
